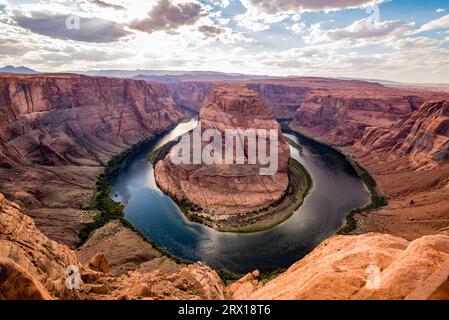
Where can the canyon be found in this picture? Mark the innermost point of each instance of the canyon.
(230, 189)
(367, 121)
(57, 132)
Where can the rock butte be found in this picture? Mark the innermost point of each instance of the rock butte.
(229, 189)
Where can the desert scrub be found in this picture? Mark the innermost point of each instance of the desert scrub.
(377, 201)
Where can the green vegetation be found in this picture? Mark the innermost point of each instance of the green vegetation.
(294, 144)
(268, 276)
(228, 277)
(154, 155)
(377, 201)
(188, 109)
(110, 210)
(308, 178)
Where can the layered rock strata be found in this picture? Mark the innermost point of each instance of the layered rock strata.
(370, 266)
(56, 133)
(229, 189)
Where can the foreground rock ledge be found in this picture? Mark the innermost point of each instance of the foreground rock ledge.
(221, 191)
(34, 267)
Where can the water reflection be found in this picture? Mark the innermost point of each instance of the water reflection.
(336, 191)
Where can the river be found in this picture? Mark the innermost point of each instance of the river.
(336, 191)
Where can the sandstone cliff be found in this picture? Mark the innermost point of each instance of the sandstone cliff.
(34, 267)
(423, 136)
(78, 120)
(56, 133)
(409, 161)
(191, 93)
(370, 266)
(282, 98)
(335, 111)
(227, 189)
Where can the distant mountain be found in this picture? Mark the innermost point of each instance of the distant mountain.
(170, 76)
(21, 69)
(381, 81)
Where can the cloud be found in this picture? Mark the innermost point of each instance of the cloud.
(14, 50)
(90, 29)
(416, 43)
(440, 10)
(360, 29)
(211, 31)
(106, 5)
(276, 6)
(441, 23)
(255, 21)
(168, 16)
(83, 55)
(297, 27)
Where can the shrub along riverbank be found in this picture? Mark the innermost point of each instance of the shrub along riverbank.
(108, 209)
(377, 200)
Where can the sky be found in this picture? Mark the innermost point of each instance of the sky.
(399, 40)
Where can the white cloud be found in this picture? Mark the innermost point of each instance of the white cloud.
(415, 43)
(440, 23)
(440, 10)
(282, 6)
(360, 29)
(255, 21)
(297, 27)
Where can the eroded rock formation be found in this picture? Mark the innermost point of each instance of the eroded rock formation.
(370, 266)
(34, 267)
(228, 189)
(409, 161)
(423, 136)
(56, 131)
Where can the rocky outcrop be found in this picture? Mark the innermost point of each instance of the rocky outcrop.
(77, 120)
(335, 111)
(229, 189)
(191, 94)
(99, 263)
(423, 136)
(370, 266)
(17, 284)
(193, 282)
(32, 267)
(124, 250)
(409, 162)
(62, 129)
(30, 257)
(342, 116)
(282, 99)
